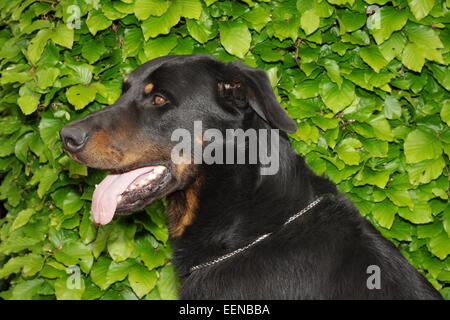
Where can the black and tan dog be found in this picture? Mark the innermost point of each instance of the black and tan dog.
(218, 214)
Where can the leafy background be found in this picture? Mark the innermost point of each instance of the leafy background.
(367, 81)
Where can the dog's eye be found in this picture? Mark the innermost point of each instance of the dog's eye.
(158, 100)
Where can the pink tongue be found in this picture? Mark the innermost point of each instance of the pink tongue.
(104, 200)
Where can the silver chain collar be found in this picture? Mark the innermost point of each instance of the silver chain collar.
(264, 236)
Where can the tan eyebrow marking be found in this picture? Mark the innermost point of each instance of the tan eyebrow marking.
(125, 79)
(148, 88)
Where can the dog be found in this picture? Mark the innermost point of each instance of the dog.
(236, 233)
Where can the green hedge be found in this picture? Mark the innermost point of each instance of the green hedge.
(367, 81)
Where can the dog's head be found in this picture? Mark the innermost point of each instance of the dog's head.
(133, 137)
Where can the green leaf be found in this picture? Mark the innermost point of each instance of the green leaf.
(146, 8)
(350, 21)
(235, 38)
(428, 230)
(9, 124)
(348, 151)
(14, 265)
(184, 46)
(77, 169)
(93, 50)
(155, 26)
(335, 98)
(63, 35)
(106, 272)
(413, 57)
(30, 264)
(309, 21)
(117, 271)
(81, 95)
(80, 73)
(268, 54)
(28, 104)
(333, 71)
(368, 176)
(191, 9)
(440, 245)
(33, 264)
(385, 21)
(167, 283)
(442, 75)
(325, 123)
(342, 2)
(373, 57)
(287, 28)
(446, 220)
(22, 218)
(142, 281)
(118, 10)
(421, 145)
(101, 240)
(37, 25)
(358, 37)
(91, 291)
(132, 42)
(392, 108)
(96, 21)
(23, 145)
(420, 214)
(68, 200)
(150, 256)
(46, 77)
(121, 241)
(381, 128)
(160, 46)
(99, 272)
(258, 16)
(393, 47)
(306, 132)
(66, 290)
(75, 253)
(203, 29)
(384, 212)
(87, 231)
(400, 230)
(46, 177)
(425, 171)
(27, 289)
(323, 9)
(37, 45)
(17, 243)
(423, 36)
(401, 198)
(307, 89)
(445, 112)
(420, 8)
(14, 76)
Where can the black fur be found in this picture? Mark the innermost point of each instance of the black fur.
(322, 255)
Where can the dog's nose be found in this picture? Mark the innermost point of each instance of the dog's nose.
(74, 138)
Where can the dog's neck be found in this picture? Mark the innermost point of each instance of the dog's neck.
(217, 213)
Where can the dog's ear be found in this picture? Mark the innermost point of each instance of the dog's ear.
(249, 86)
